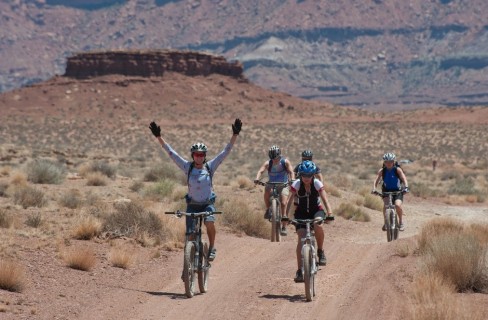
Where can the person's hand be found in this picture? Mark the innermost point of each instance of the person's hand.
(155, 129)
(373, 191)
(406, 190)
(256, 181)
(236, 127)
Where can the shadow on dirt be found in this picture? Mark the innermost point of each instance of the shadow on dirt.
(294, 298)
(175, 296)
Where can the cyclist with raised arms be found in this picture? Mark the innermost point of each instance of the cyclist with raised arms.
(279, 170)
(309, 190)
(393, 177)
(200, 195)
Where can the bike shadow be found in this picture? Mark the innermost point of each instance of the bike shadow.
(172, 295)
(290, 298)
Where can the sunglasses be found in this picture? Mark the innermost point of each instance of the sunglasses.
(199, 154)
(307, 175)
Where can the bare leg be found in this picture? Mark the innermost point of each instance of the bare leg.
(211, 232)
(399, 210)
(319, 236)
(301, 234)
(267, 193)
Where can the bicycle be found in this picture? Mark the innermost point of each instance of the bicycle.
(309, 254)
(276, 217)
(391, 221)
(195, 257)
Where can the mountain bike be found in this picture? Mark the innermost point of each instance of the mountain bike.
(276, 216)
(392, 225)
(195, 257)
(309, 254)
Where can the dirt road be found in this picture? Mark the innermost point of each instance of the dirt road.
(252, 278)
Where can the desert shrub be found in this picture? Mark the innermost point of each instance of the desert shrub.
(27, 196)
(120, 258)
(160, 172)
(96, 179)
(3, 189)
(136, 186)
(351, 212)
(6, 220)
(18, 179)
(464, 186)
(179, 193)
(436, 227)
(244, 182)
(132, 219)
(87, 228)
(45, 172)
(160, 189)
(332, 190)
(34, 220)
(450, 175)
(71, 199)
(422, 190)
(12, 276)
(100, 167)
(373, 202)
(80, 258)
(241, 218)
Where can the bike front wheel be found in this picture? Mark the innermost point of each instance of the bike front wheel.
(390, 225)
(188, 269)
(274, 220)
(203, 268)
(308, 275)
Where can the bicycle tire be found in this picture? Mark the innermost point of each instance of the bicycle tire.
(203, 268)
(389, 231)
(396, 231)
(188, 269)
(307, 272)
(273, 220)
(278, 223)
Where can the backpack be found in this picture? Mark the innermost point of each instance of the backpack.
(270, 164)
(397, 165)
(206, 167)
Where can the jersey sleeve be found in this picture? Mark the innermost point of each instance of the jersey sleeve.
(318, 185)
(180, 162)
(215, 162)
(295, 186)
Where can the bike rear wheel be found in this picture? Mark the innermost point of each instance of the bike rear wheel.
(203, 268)
(188, 269)
(397, 228)
(274, 219)
(389, 223)
(308, 276)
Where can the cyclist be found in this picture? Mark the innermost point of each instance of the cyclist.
(308, 155)
(279, 170)
(309, 190)
(393, 177)
(200, 195)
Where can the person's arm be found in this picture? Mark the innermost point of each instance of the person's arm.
(323, 196)
(379, 176)
(290, 200)
(320, 177)
(215, 162)
(263, 168)
(180, 161)
(402, 177)
(289, 169)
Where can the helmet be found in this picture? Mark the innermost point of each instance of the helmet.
(198, 147)
(274, 152)
(389, 156)
(307, 154)
(307, 167)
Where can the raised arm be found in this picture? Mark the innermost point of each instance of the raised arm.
(180, 161)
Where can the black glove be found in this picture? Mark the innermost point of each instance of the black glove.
(256, 181)
(155, 129)
(406, 190)
(236, 127)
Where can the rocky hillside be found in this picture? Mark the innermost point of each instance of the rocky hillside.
(368, 53)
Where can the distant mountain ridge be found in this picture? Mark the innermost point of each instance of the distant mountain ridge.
(376, 54)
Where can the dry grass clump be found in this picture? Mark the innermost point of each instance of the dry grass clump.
(244, 182)
(423, 190)
(179, 193)
(71, 199)
(373, 202)
(18, 179)
(160, 172)
(332, 190)
(241, 218)
(121, 257)
(463, 186)
(80, 258)
(96, 179)
(98, 166)
(6, 219)
(88, 228)
(28, 196)
(12, 276)
(3, 189)
(45, 171)
(160, 189)
(434, 298)
(136, 186)
(351, 212)
(132, 219)
(34, 220)
(456, 253)
(5, 171)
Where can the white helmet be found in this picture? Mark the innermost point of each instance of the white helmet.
(274, 152)
(389, 157)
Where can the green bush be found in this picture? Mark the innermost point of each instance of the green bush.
(464, 186)
(99, 166)
(161, 172)
(132, 219)
(45, 172)
(160, 190)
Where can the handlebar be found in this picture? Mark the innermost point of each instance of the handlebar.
(386, 193)
(179, 213)
(271, 183)
(313, 221)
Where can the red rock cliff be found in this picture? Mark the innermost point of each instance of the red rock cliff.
(149, 64)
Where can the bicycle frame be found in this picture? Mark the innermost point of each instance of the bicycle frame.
(392, 225)
(275, 208)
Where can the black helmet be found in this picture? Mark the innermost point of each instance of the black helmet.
(307, 154)
(274, 152)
